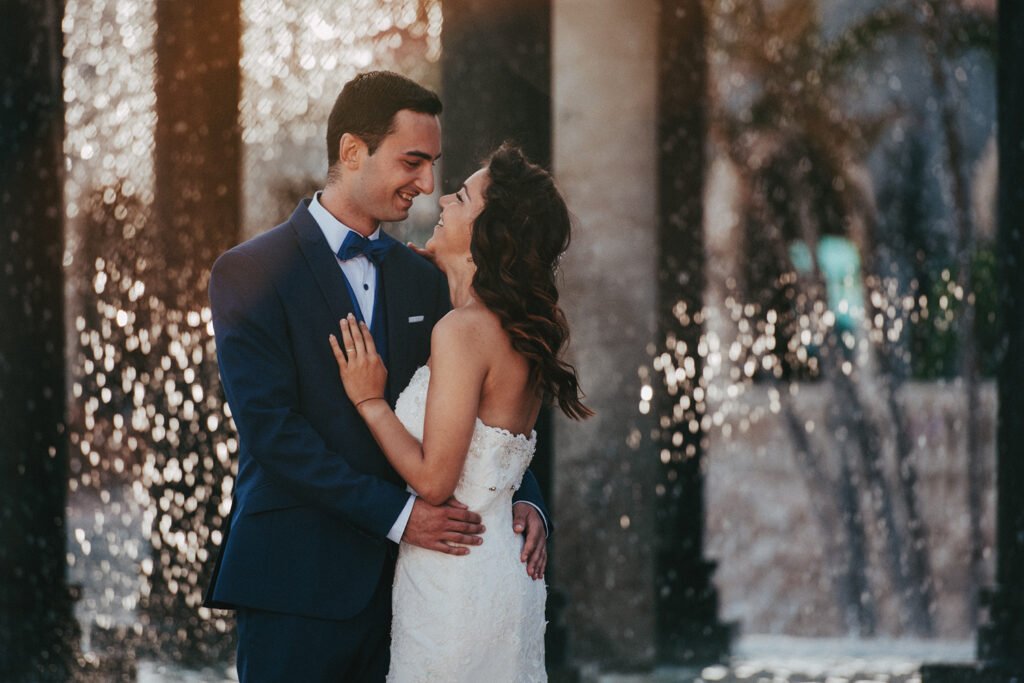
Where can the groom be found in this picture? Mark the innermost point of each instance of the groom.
(308, 557)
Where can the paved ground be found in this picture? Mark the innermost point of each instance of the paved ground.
(785, 659)
(759, 659)
(107, 548)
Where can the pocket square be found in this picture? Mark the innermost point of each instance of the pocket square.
(415, 318)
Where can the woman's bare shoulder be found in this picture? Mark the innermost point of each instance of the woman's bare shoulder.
(469, 329)
(476, 321)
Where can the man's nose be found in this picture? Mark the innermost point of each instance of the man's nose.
(425, 180)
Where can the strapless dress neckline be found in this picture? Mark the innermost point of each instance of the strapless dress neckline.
(527, 439)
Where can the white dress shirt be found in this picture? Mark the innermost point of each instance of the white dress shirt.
(360, 271)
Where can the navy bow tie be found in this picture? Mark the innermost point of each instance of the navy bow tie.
(357, 245)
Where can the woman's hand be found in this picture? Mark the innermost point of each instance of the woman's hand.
(422, 251)
(362, 371)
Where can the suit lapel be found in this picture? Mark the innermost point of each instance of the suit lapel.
(392, 276)
(322, 262)
(331, 282)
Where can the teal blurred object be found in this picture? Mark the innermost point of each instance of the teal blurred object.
(800, 255)
(839, 262)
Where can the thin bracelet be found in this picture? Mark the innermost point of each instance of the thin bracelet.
(372, 398)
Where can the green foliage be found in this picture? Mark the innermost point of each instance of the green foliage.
(935, 335)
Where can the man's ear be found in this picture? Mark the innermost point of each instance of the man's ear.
(351, 150)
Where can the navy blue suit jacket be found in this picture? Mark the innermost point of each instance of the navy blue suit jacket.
(314, 497)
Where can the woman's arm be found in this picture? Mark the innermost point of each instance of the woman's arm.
(453, 400)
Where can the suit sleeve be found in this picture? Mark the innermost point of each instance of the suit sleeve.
(260, 379)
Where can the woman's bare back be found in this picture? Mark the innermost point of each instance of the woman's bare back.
(508, 400)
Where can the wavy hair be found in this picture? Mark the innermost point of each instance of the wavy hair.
(516, 244)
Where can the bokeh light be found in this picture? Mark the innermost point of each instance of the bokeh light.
(153, 444)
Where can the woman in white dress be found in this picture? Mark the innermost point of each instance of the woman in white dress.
(463, 426)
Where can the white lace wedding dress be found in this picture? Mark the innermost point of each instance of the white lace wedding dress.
(478, 617)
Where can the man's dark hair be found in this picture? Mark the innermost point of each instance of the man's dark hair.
(367, 106)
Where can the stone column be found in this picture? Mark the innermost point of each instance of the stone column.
(1001, 638)
(496, 86)
(198, 141)
(688, 630)
(495, 82)
(196, 217)
(36, 626)
(604, 98)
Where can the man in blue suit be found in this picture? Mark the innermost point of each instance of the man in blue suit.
(308, 557)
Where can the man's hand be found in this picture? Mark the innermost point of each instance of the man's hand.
(527, 521)
(439, 527)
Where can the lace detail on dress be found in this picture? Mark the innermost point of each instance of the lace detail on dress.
(497, 458)
(479, 617)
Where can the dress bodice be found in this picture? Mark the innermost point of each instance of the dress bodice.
(496, 460)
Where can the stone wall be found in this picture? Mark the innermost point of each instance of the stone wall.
(604, 106)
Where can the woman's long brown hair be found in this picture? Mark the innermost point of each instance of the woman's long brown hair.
(517, 241)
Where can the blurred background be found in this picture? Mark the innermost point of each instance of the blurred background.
(790, 289)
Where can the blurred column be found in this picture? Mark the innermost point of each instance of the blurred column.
(1001, 639)
(604, 90)
(496, 86)
(196, 218)
(36, 626)
(198, 140)
(495, 82)
(688, 629)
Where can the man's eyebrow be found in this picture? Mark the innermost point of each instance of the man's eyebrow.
(423, 155)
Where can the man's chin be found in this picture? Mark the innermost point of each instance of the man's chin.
(396, 216)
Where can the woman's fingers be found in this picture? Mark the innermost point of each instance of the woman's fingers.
(371, 348)
(351, 350)
(355, 329)
(338, 355)
(356, 337)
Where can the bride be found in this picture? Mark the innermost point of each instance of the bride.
(463, 426)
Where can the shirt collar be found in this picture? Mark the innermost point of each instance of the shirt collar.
(334, 230)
